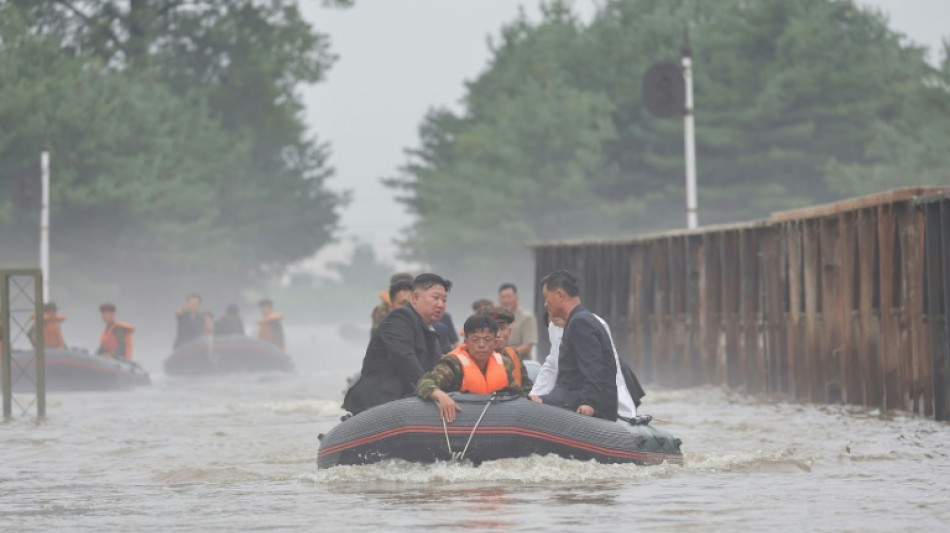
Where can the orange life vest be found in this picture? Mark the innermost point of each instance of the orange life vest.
(494, 379)
(513, 354)
(52, 333)
(109, 343)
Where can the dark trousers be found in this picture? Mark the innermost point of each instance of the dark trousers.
(563, 398)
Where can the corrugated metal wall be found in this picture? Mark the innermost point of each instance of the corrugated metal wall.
(838, 303)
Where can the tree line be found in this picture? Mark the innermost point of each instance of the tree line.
(797, 102)
(177, 138)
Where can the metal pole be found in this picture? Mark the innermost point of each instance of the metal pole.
(5, 347)
(40, 345)
(692, 210)
(44, 223)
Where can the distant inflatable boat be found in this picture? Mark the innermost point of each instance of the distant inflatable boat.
(221, 355)
(507, 426)
(75, 369)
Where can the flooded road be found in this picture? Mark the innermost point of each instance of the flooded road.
(239, 453)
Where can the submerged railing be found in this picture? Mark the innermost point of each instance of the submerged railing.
(21, 308)
(845, 302)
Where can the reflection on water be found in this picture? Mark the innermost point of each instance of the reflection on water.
(238, 453)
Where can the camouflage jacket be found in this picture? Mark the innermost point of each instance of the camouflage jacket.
(447, 377)
(379, 313)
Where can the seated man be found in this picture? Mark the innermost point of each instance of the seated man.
(230, 323)
(628, 396)
(587, 371)
(192, 322)
(402, 348)
(116, 340)
(474, 367)
(504, 318)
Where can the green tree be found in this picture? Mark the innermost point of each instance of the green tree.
(554, 141)
(908, 150)
(178, 143)
(134, 185)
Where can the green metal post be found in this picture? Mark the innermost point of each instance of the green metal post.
(5, 347)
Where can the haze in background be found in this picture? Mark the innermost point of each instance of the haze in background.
(399, 59)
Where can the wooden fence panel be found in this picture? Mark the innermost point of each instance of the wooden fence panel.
(845, 302)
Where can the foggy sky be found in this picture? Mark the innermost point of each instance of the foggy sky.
(397, 59)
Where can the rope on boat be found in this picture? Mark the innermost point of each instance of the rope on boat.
(460, 456)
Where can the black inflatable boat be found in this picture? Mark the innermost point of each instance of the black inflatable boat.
(75, 369)
(232, 353)
(490, 428)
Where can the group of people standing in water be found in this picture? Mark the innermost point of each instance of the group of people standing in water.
(194, 323)
(405, 356)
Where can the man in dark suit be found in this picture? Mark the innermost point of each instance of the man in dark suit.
(402, 348)
(587, 371)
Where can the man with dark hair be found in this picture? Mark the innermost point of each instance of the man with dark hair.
(116, 340)
(629, 390)
(586, 379)
(230, 323)
(402, 348)
(474, 367)
(386, 303)
(192, 322)
(524, 330)
(270, 325)
(504, 318)
(399, 293)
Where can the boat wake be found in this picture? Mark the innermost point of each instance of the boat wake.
(522, 470)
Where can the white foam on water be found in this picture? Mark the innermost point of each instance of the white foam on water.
(525, 470)
(310, 406)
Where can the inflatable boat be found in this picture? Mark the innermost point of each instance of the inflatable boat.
(231, 353)
(75, 369)
(490, 428)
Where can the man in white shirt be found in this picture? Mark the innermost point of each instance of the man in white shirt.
(547, 376)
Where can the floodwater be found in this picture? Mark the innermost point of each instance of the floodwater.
(238, 453)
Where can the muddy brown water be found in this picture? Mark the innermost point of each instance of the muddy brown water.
(237, 453)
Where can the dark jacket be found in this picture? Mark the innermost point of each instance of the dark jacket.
(586, 363)
(190, 327)
(400, 351)
(228, 325)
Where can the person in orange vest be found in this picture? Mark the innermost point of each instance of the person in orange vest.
(270, 326)
(52, 333)
(116, 340)
(504, 318)
(387, 302)
(474, 367)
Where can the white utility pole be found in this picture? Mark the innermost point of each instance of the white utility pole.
(692, 209)
(44, 223)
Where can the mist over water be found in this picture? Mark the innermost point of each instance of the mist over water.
(226, 453)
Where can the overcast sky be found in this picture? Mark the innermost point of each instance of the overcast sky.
(399, 58)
